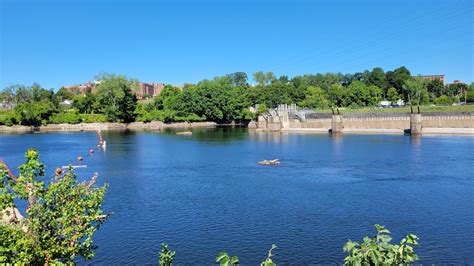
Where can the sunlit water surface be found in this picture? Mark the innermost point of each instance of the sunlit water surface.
(205, 193)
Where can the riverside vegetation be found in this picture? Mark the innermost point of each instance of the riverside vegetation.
(59, 219)
(224, 99)
(62, 216)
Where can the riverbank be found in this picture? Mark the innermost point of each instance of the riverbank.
(155, 125)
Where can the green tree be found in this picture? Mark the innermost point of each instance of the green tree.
(397, 78)
(416, 90)
(361, 95)
(264, 78)
(315, 98)
(87, 104)
(63, 94)
(470, 93)
(392, 95)
(35, 113)
(260, 78)
(239, 79)
(39, 94)
(379, 251)
(116, 99)
(60, 220)
(378, 78)
(435, 88)
(337, 95)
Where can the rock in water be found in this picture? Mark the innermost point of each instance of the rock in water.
(187, 133)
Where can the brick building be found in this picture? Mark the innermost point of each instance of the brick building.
(433, 77)
(142, 90)
(83, 89)
(148, 90)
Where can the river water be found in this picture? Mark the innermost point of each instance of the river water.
(205, 193)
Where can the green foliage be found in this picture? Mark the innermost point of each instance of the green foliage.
(239, 79)
(22, 94)
(443, 100)
(34, 114)
(378, 78)
(470, 93)
(262, 109)
(228, 98)
(8, 118)
(93, 118)
(64, 94)
(315, 98)
(87, 104)
(392, 95)
(16, 247)
(61, 216)
(416, 90)
(225, 260)
(263, 78)
(379, 251)
(166, 255)
(397, 78)
(116, 99)
(67, 118)
(358, 94)
(268, 261)
(435, 88)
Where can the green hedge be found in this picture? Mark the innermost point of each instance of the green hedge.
(65, 118)
(75, 118)
(8, 118)
(93, 118)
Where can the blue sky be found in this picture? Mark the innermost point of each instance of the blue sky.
(59, 43)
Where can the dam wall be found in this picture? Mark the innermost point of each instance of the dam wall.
(432, 123)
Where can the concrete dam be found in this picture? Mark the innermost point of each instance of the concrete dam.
(383, 122)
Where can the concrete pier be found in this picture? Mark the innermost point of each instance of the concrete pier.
(415, 124)
(336, 123)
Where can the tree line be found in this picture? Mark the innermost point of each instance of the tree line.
(226, 98)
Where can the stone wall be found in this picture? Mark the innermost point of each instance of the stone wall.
(311, 123)
(400, 122)
(447, 121)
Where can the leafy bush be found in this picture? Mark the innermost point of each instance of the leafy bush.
(60, 219)
(67, 118)
(8, 118)
(166, 255)
(35, 113)
(225, 260)
(443, 100)
(268, 261)
(379, 251)
(470, 95)
(93, 118)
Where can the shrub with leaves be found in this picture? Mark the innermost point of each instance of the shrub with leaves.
(166, 255)
(378, 250)
(225, 260)
(59, 220)
(268, 261)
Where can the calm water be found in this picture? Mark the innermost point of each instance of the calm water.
(205, 194)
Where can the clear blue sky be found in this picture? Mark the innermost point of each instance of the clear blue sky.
(59, 43)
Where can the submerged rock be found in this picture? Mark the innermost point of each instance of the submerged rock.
(187, 133)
